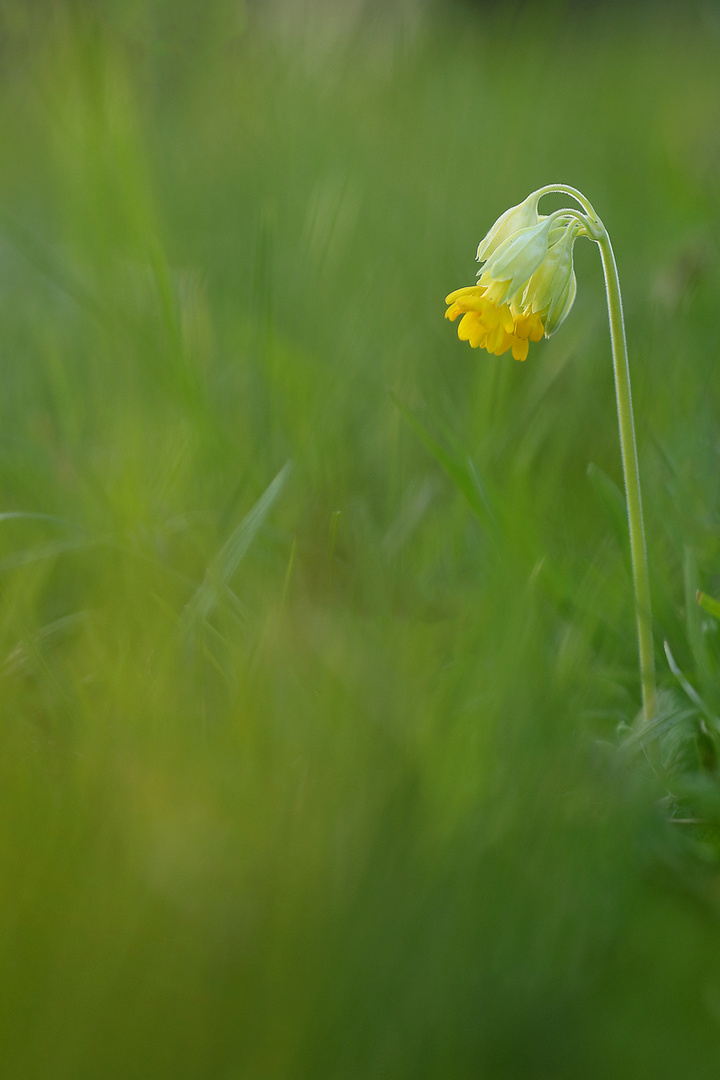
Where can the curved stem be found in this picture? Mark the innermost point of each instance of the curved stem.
(565, 189)
(628, 450)
(582, 219)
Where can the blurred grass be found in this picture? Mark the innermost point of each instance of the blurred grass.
(309, 762)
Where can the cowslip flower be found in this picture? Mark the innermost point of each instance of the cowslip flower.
(526, 286)
(525, 289)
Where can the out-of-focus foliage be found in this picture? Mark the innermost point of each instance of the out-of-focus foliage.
(316, 628)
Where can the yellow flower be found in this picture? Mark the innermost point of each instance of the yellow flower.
(527, 285)
(486, 325)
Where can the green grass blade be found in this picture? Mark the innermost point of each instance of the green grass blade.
(708, 603)
(223, 567)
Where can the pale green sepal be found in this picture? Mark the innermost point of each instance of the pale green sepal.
(517, 217)
(560, 308)
(549, 281)
(518, 257)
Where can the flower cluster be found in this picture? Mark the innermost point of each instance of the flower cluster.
(526, 283)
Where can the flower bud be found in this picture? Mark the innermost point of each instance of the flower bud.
(550, 290)
(513, 220)
(514, 262)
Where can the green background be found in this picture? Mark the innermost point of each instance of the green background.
(317, 647)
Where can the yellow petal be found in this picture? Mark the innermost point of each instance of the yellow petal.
(470, 294)
(466, 325)
(477, 336)
(520, 348)
(537, 330)
(496, 340)
(529, 325)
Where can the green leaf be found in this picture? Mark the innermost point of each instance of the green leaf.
(689, 689)
(708, 603)
(222, 568)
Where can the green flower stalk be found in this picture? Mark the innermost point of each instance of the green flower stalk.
(525, 289)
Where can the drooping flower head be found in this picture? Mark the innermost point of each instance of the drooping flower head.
(526, 283)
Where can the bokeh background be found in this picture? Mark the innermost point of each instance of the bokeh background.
(317, 653)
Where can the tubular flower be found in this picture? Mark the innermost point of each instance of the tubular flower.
(526, 286)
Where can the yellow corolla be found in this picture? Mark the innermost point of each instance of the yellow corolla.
(490, 326)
